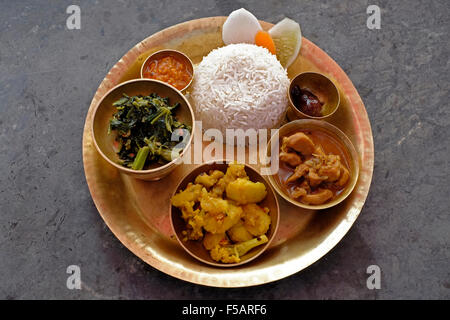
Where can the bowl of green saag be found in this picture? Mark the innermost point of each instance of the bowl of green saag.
(143, 127)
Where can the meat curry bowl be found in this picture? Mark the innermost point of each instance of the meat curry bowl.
(224, 214)
(318, 164)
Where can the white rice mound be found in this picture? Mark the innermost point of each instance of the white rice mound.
(240, 86)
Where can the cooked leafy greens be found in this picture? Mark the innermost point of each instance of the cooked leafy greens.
(147, 131)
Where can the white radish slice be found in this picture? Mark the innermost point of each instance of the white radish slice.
(240, 27)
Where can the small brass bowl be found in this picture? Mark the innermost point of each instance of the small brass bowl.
(347, 146)
(319, 85)
(176, 54)
(104, 110)
(196, 248)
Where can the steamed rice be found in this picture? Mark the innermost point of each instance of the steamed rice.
(240, 86)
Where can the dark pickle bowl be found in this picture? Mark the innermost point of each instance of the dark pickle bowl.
(319, 85)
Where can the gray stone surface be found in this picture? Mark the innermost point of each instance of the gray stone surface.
(49, 74)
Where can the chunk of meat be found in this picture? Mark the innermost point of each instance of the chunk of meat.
(291, 158)
(300, 142)
(331, 168)
(299, 172)
(313, 163)
(314, 179)
(319, 197)
(305, 185)
(298, 192)
(345, 175)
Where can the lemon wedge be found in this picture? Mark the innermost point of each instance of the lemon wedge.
(287, 37)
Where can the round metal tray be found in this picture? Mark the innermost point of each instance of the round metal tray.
(137, 212)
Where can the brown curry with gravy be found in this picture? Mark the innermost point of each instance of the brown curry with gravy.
(314, 166)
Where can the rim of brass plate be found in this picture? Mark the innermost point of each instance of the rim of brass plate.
(243, 278)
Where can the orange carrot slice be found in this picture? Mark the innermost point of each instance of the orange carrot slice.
(263, 39)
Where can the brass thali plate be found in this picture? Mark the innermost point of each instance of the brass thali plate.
(137, 212)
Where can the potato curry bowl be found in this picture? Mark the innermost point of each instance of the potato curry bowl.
(224, 214)
(318, 164)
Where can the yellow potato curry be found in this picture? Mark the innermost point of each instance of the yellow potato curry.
(221, 210)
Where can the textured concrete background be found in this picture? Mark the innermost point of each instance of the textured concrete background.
(48, 76)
